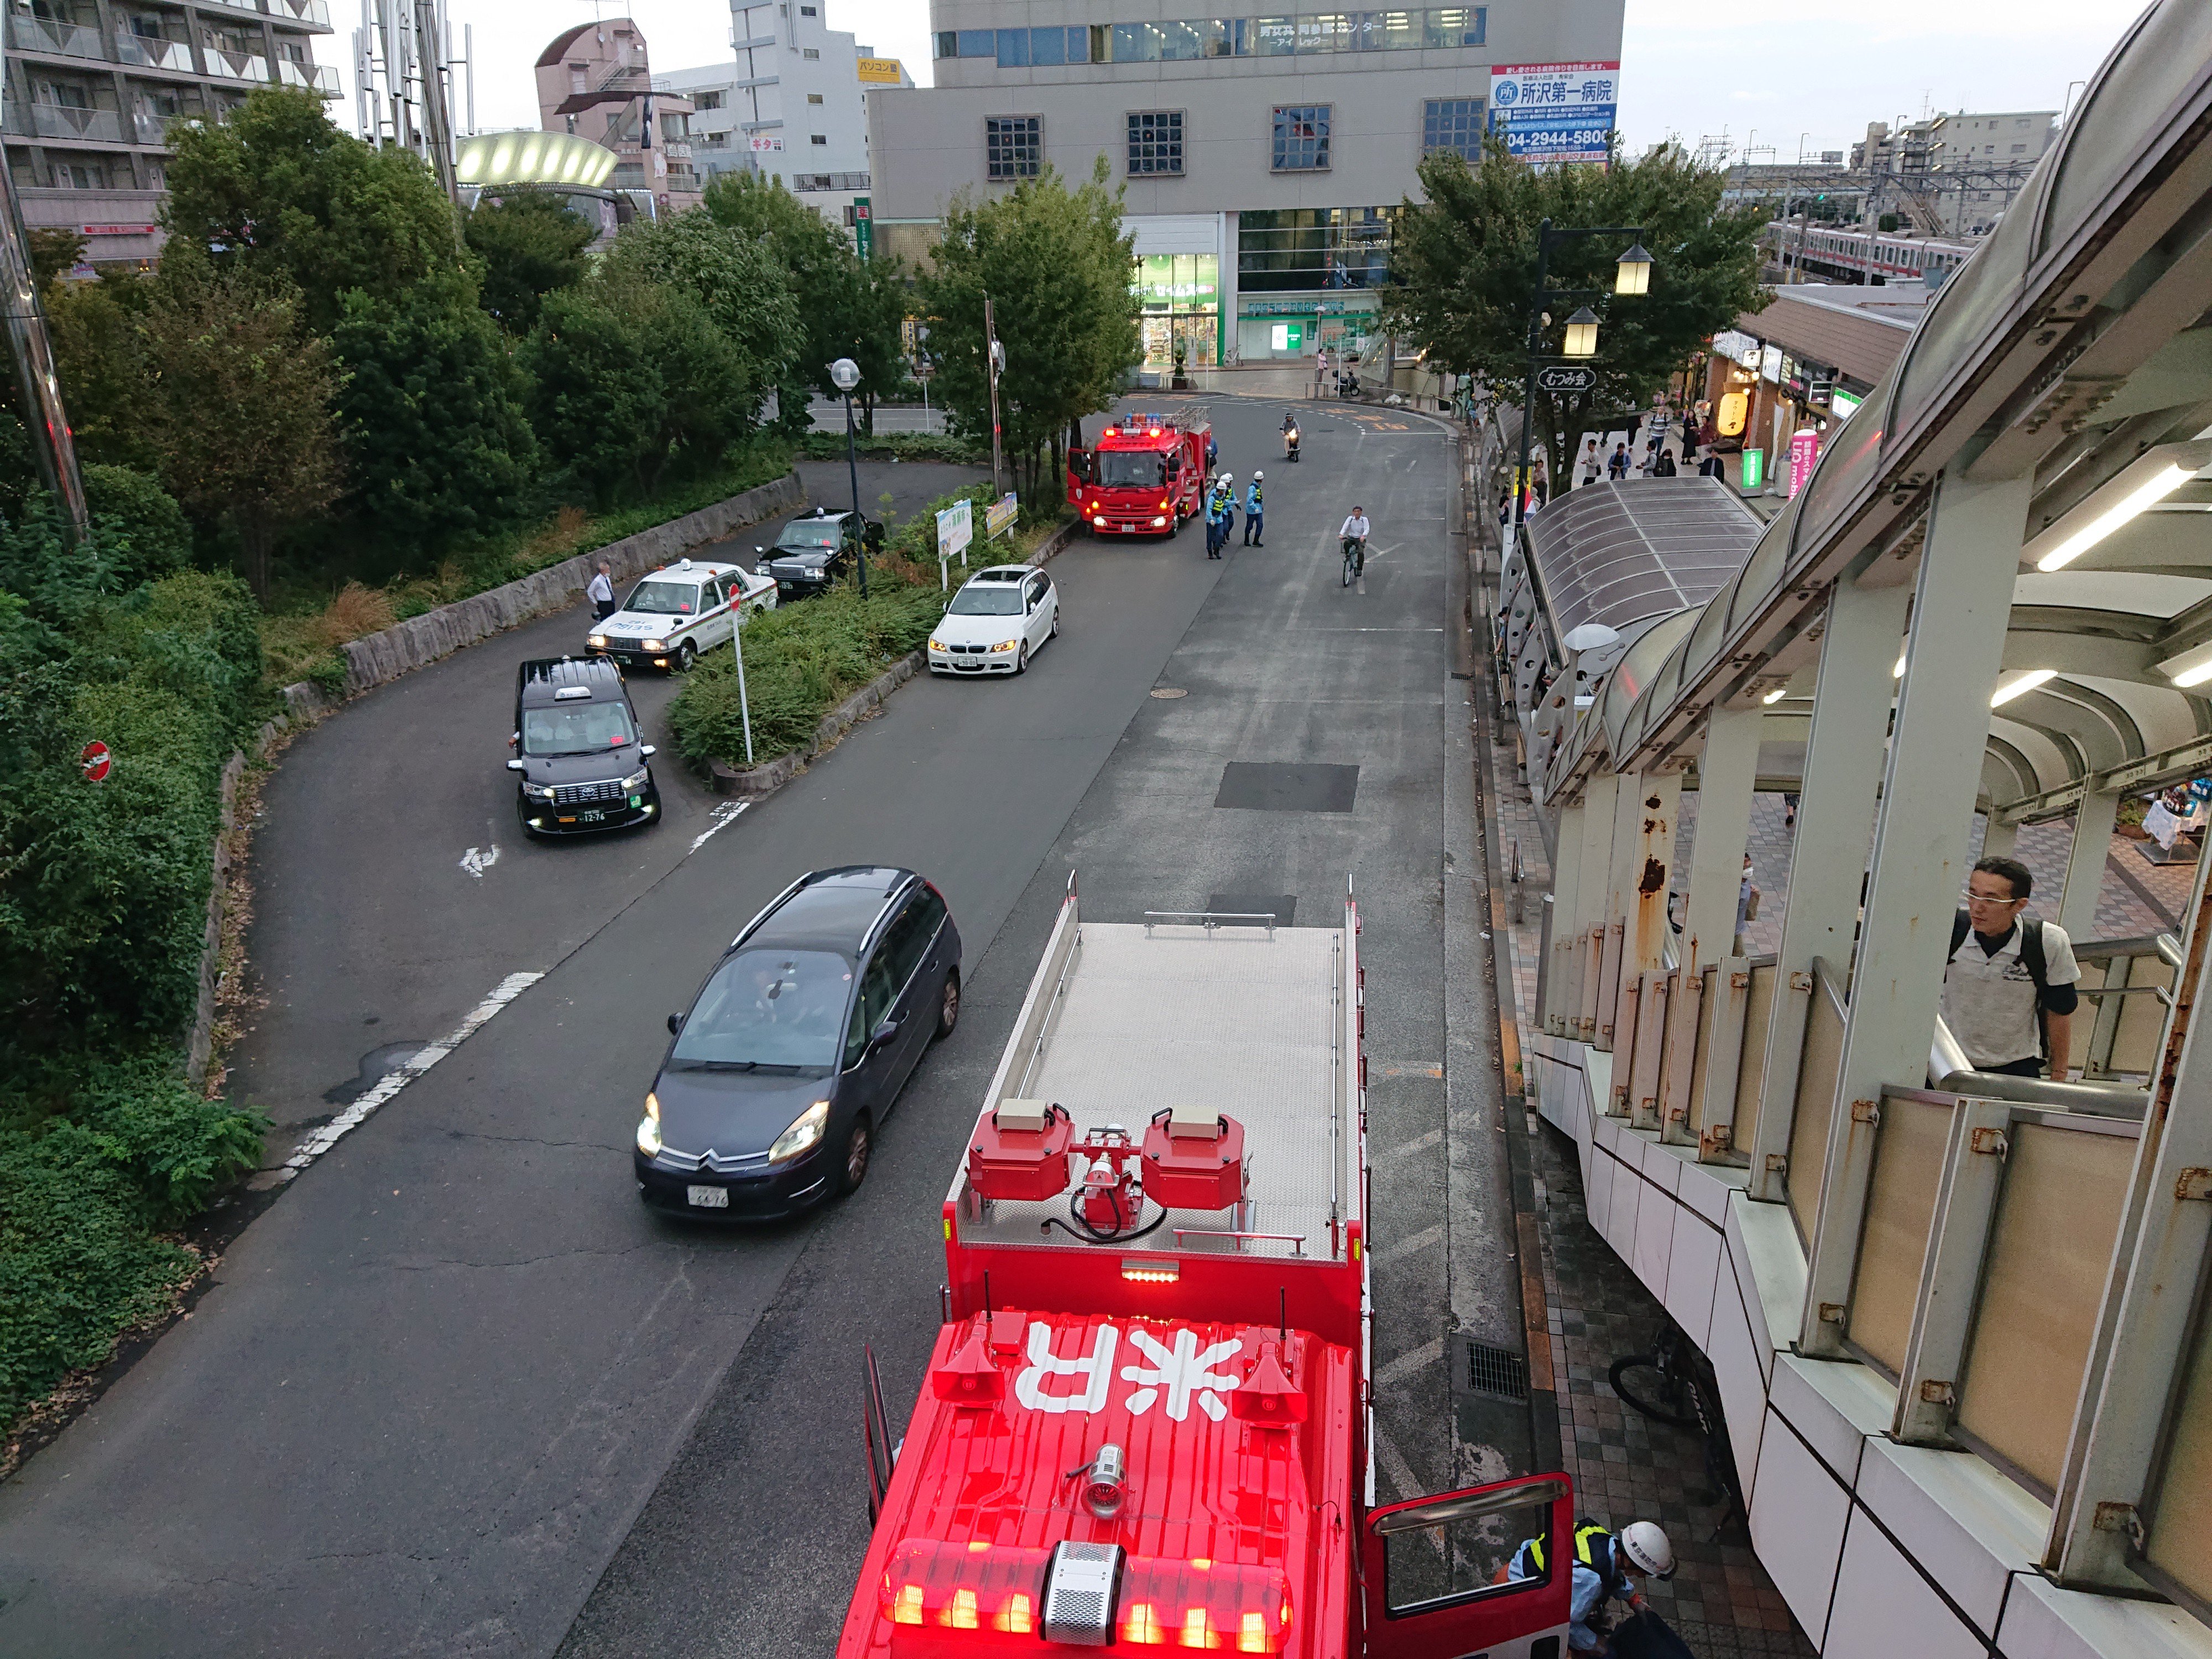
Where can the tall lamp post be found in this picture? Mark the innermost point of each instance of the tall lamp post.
(846, 374)
(1632, 276)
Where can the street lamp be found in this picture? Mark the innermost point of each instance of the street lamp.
(846, 374)
(1632, 274)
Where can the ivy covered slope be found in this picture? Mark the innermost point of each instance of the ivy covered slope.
(103, 909)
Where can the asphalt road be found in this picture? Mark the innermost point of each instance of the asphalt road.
(455, 1392)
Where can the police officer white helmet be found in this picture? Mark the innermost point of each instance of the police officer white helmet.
(1257, 475)
(1647, 1549)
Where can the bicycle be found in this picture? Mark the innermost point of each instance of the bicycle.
(1674, 1383)
(1355, 559)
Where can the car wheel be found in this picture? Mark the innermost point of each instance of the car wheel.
(860, 1147)
(1021, 661)
(686, 654)
(948, 1004)
(1056, 623)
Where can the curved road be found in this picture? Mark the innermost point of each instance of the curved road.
(455, 1392)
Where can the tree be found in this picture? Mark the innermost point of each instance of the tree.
(95, 327)
(52, 252)
(1056, 264)
(741, 284)
(276, 188)
(438, 445)
(849, 307)
(1464, 264)
(530, 245)
(239, 404)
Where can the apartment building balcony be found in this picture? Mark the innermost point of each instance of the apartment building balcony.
(67, 124)
(224, 65)
(152, 51)
(55, 39)
(315, 77)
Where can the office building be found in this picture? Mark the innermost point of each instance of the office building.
(1956, 174)
(792, 104)
(1265, 158)
(596, 80)
(93, 88)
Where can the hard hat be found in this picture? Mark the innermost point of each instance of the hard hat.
(1646, 1547)
(1228, 477)
(1257, 475)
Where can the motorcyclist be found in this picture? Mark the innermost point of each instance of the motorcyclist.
(1289, 431)
(1254, 511)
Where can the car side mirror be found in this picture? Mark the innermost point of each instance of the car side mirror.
(883, 1033)
(514, 766)
(674, 1023)
(649, 752)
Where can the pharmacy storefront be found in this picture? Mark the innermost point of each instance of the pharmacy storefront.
(1178, 280)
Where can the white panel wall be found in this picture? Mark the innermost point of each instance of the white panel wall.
(1885, 1609)
(1798, 1512)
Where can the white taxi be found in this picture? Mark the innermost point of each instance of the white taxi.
(679, 611)
(996, 622)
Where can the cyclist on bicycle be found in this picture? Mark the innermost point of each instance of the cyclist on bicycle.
(1354, 535)
(1604, 1566)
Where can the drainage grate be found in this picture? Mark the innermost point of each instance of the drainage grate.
(1498, 1371)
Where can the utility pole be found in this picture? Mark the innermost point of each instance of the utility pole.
(995, 360)
(53, 446)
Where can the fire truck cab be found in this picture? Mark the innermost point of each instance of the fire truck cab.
(1147, 1422)
(1144, 477)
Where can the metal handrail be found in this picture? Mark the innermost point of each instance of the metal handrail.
(1210, 919)
(1295, 1241)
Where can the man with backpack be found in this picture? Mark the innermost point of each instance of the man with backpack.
(2008, 993)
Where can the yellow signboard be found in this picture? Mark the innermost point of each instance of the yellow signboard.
(1730, 417)
(883, 71)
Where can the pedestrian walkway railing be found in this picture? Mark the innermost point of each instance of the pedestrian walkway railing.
(2128, 984)
(1981, 1268)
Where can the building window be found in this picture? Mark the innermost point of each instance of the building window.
(1301, 137)
(819, 138)
(808, 11)
(1155, 141)
(1453, 123)
(1013, 146)
(707, 101)
(1013, 48)
(948, 43)
(1294, 250)
(1049, 46)
(809, 51)
(813, 97)
(1456, 26)
(978, 43)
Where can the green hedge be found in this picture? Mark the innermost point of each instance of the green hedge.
(898, 446)
(103, 903)
(800, 660)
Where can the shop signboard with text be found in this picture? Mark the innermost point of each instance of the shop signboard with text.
(1804, 450)
(1556, 112)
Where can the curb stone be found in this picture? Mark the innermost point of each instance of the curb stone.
(757, 783)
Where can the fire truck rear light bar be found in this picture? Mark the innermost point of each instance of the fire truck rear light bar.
(1081, 1589)
(1140, 1271)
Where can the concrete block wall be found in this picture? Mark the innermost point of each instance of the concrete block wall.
(1882, 1550)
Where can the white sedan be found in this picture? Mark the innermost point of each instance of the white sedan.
(998, 621)
(679, 611)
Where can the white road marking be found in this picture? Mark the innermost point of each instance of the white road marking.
(392, 1082)
(728, 813)
(475, 861)
(1400, 1472)
(1409, 1364)
(1434, 1138)
(1407, 1246)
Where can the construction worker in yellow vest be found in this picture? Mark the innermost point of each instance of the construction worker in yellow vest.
(1604, 1566)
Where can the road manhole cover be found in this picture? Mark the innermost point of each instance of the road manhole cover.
(1170, 691)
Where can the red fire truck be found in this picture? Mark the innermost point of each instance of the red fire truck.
(1147, 1419)
(1144, 477)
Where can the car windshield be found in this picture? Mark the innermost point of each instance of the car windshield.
(768, 1008)
(665, 598)
(988, 599)
(1125, 470)
(809, 533)
(580, 728)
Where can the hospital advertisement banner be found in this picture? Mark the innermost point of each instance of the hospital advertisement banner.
(1555, 111)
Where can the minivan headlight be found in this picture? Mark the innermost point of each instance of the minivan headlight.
(537, 792)
(649, 1128)
(803, 1134)
(636, 779)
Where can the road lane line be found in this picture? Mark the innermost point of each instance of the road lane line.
(1434, 1138)
(1410, 1365)
(1407, 1246)
(727, 812)
(392, 1082)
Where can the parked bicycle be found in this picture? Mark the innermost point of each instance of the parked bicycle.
(1672, 1382)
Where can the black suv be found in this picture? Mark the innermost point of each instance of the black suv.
(815, 549)
(576, 744)
(790, 1056)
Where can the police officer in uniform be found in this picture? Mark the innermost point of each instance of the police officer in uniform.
(1604, 1566)
(1256, 511)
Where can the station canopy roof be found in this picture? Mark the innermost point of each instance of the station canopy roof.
(1624, 554)
(544, 161)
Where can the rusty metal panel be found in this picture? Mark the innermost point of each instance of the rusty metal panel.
(1683, 1069)
(1647, 1057)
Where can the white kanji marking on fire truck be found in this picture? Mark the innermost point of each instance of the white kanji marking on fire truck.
(1182, 1370)
(1097, 1372)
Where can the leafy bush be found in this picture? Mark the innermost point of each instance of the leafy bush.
(800, 659)
(900, 445)
(79, 1197)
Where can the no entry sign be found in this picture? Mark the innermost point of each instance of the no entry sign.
(96, 759)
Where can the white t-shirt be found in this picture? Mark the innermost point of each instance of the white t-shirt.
(1355, 525)
(1989, 1002)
